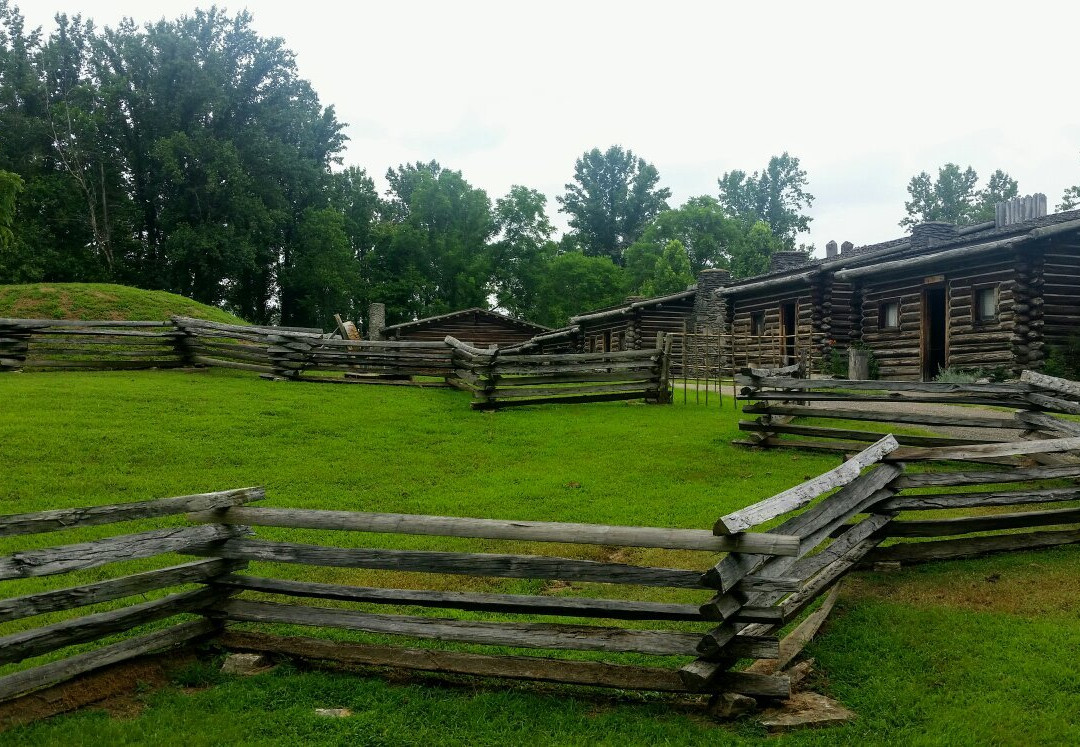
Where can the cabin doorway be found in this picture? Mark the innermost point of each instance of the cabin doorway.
(935, 320)
(789, 311)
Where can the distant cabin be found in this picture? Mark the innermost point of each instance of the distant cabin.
(478, 327)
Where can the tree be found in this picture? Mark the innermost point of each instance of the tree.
(751, 255)
(703, 229)
(613, 197)
(10, 186)
(658, 271)
(775, 196)
(1070, 198)
(523, 248)
(324, 273)
(575, 281)
(953, 196)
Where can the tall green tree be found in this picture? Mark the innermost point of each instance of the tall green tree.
(433, 254)
(953, 196)
(522, 250)
(658, 271)
(701, 226)
(573, 282)
(10, 186)
(613, 197)
(750, 256)
(776, 196)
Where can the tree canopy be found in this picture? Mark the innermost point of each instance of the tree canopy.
(952, 197)
(775, 196)
(613, 197)
(1070, 198)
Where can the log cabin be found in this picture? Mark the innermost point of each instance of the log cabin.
(996, 295)
(478, 327)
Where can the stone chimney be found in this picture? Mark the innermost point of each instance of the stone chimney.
(708, 309)
(830, 250)
(376, 320)
(846, 247)
(1020, 209)
(926, 235)
(786, 260)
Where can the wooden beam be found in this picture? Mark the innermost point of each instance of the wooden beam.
(961, 453)
(533, 531)
(965, 547)
(800, 495)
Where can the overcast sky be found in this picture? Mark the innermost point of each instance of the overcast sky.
(865, 94)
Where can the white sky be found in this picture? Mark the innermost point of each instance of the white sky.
(865, 94)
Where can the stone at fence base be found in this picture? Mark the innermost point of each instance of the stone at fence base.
(730, 705)
(804, 710)
(246, 664)
(798, 673)
(333, 712)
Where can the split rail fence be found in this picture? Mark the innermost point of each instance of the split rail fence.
(497, 380)
(787, 405)
(752, 582)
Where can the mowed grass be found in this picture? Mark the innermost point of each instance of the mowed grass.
(971, 652)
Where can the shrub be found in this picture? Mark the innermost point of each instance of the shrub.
(1064, 360)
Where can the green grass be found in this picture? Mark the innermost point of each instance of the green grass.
(101, 301)
(933, 655)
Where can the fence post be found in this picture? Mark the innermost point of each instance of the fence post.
(183, 341)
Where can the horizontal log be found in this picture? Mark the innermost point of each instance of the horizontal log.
(800, 495)
(457, 563)
(526, 604)
(918, 552)
(199, 571)
(966, 399)
(78, 323)
(641, 388)
(516, 635)
(532, 531)
(56, 672)
(67, 518)
(1054, 404)
(991, 523)
(955, 479)
(1052, 383)
(53, 560)
(190, 323)
(580, 399)
(853, 435)
(977, 500)
(883, 415)
(927, 387)
(106, 365)
(221, 363)
(961, 453)
(541, 669)
(36, 641)
(1046, 422)
(646, 374)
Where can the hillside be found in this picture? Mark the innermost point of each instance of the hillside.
(101, 301)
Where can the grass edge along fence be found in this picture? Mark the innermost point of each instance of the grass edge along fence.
(496, 378)
(761, 581)
(782, 401)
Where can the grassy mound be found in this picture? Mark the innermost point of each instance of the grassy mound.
(101, 301)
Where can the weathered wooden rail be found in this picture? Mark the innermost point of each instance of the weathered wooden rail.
(497, 380)
(87, 345)
(783, 403)
(753, 584)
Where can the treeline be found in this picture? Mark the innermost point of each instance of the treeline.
(189, 156)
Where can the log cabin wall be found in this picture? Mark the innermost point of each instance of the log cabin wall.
(969, 342)
(838, 315)
(1059, 275)
(478, 329)
(608, 335)
(672, 316)
(765, 349)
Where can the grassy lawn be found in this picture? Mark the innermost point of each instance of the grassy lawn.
(934, 655)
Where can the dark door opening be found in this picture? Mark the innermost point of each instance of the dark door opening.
(789, 311)
(935, 321)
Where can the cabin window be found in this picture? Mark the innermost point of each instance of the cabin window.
(889, 315)
(985, 304)
(757, 324)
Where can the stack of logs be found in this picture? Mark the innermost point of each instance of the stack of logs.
(87, 345)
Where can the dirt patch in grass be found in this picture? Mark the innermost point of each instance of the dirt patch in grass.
(1029, 585)
(118, 690)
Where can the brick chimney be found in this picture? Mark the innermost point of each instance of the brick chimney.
(830, 250)
(1020, 209)
(376, 320)
(786, 260)
(926, 235)
(846, 247)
